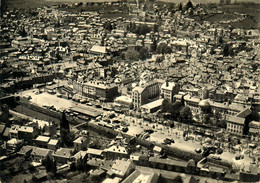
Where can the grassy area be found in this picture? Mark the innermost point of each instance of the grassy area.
(253, 10)
(26, 3)
(36, 3)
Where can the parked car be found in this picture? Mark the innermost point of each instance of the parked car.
(219, 151)
(206, 153)
(167, 141)
(198, 150)
(171, 140)
(125, 129)
(238, 157)
(216, 158)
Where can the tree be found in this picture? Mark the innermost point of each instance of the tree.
(22, 32)
(163, 49)
(65, 131)
(144, 53)
(222, 124)
(180, 7)
(50, 164)
(132, 55)
(108, 26)
(175, 109)
(185, 114)
(165, 105)
(212, 52)
(226, 50)
(189, 5)
(220, 40)
(5, 114)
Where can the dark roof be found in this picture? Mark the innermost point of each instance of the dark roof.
(64, 152)
(26, 149)
(2, 128)
(190, 179)
(245, 113)
(6, 132)
(86, 110)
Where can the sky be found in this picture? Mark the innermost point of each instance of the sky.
(209, 1)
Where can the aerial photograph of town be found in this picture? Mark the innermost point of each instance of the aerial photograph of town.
(129, 91)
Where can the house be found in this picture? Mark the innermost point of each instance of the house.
(13, 132)
(63, 155)
(152, 106)
(13, 145)
(157, 149)
(27, 133)
(147, 91)
(39, 154)
(26, 150)
(115, 152)
(50, 129)
(42, 141)
(168, 90)
(97, 89)
(53, 144)
(235, 125)
(167, 164)
(98, 50)
(80, 143)
(121, 168)
(80, 157)
(100, 163)
(142, 177)
(238, 124)
(254, 130)
(95, 153)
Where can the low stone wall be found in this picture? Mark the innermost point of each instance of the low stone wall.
(45, 111)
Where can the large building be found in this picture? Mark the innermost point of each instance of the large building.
(96, 89)
(168, 90)
(145, 93)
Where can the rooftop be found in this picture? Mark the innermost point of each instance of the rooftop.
(53, 142)
(64, 152)
(98, 49)
(116, 149)
(120, 167)
(168, 85)
(80, 140)
(42, 138)
(168, 161)
(94, 151)
(153, 104)
(142, 177)
(40, 151)
(27, 129)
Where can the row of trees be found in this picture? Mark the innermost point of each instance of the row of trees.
(141, 29)
(177, 111)
(136, 54)
(144, 52)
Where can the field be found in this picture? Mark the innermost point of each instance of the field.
(253, 21)
(37, 3)
(251, 10)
